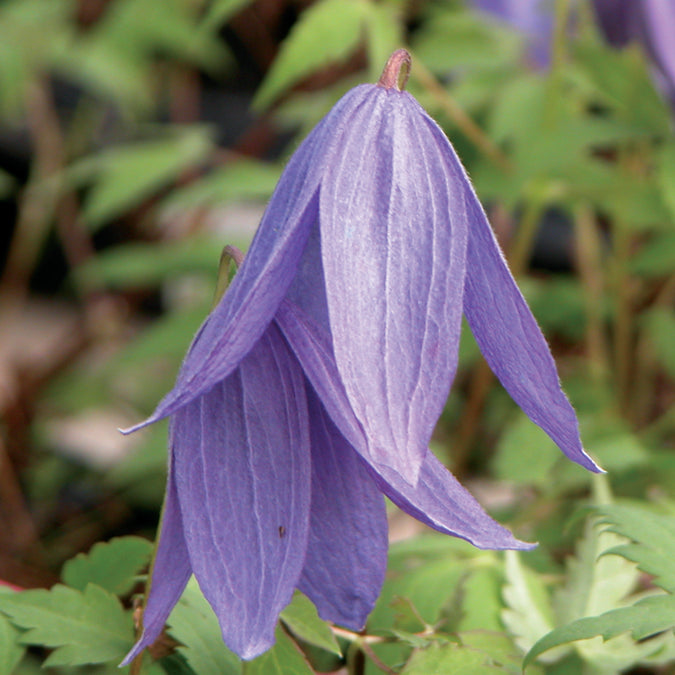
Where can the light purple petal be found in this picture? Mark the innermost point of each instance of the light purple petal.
(511, 340)
(393, 244)
(437, 499)
(268, 269)
(242, 467)
(347, 548)
(660, 24)
(440, 501)
(169, 574)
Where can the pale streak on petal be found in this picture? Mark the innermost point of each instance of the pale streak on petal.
(393, 246)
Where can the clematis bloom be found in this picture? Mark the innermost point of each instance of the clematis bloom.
(313, 387)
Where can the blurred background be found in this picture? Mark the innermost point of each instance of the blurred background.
(138, 137)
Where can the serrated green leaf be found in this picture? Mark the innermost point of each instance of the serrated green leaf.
(194, 624)
(600, 583)
(655, 536)
(283, 659)
(11, 652)
(528, 614)
(89, 627)
(596, 582)
(326, 32)
(111, 565)
(644, 619)
(128, 175)
(449, 659)
(303, 621)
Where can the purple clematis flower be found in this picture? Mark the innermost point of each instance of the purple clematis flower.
(313, 388)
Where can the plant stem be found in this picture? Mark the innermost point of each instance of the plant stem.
(589, 264)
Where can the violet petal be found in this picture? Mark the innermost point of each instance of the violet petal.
(347, 547)
(511, 341)
(437, 499)
(242, 467)
(268, 269)
(440, 501)
(393, 244)
(170, 572)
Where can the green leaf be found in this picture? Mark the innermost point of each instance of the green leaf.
(129, 174)
(654, 534)
(600, 583)
(326, 32)
(644, 619)
(528, 614)
(460, 39)
(195, 626)
(283, 659)
(525, 454)
(220, 11)
(596, 582)
(303, 621)
(242, 180)
(140, 265)
(479, 595)
(450, 659)
(666, 175)
(89, 627)
(498, 646)
(656, 257)
(384, 35)
(111, 565)
(11, 652)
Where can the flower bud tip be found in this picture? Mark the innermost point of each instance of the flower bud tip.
(396, 71)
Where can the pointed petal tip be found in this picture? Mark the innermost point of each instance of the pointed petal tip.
(253, 649)
(136, 427)
(135, 651)
(139, 425)
(588, 463)
(502, 541)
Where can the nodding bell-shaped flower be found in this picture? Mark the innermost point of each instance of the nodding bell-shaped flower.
(313, 387)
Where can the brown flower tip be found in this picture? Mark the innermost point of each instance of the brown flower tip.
(395, 73)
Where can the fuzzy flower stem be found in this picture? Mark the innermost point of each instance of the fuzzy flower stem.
(396, 71)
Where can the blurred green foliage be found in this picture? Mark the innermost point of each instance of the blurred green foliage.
(124, 180)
